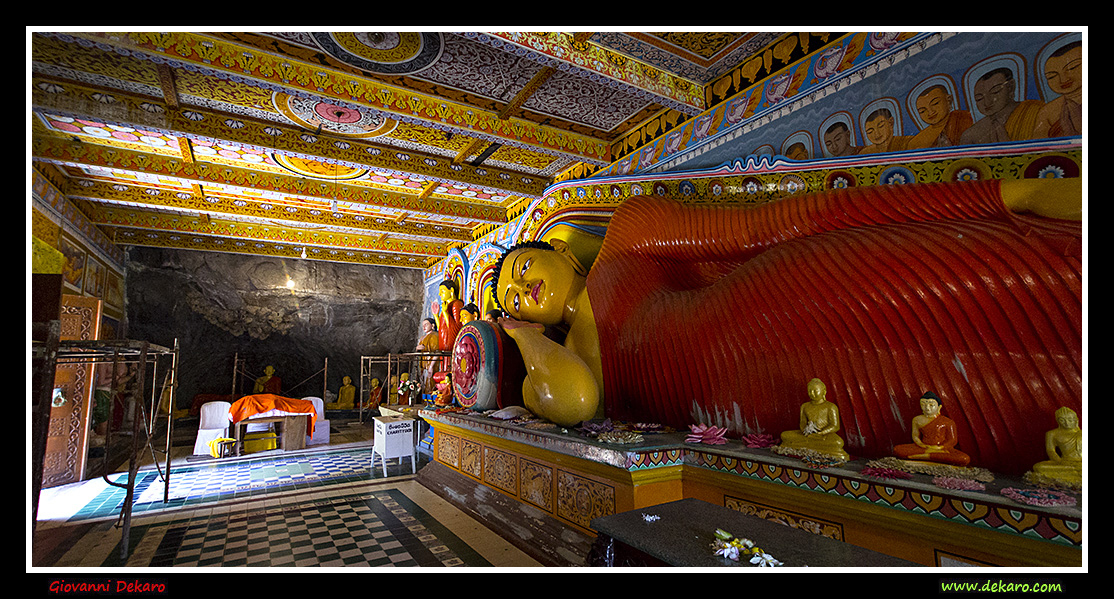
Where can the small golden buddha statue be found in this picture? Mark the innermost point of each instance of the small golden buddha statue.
(934, 436)
(819, 425)
(392, 390)
(1064, 445)
(346, 396)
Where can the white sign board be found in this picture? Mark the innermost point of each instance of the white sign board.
(394, 438)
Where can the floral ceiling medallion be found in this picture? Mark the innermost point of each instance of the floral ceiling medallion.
(332, 118)
(382, 52)
(318, 170)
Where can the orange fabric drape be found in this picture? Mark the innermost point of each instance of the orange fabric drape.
(250, 405)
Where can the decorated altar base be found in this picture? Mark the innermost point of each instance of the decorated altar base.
(574, 479)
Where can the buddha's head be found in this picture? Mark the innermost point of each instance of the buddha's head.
(270, 370)
(817, 390)
(1067, 418)
(346, 380)
(535, 281)
(447, 291)
(930, 404)
(374, 383)
(427, 326)
(469, 313)
(934, 104)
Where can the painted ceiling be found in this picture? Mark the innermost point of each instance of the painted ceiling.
(374, 147)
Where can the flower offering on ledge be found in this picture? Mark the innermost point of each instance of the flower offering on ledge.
(707, 434)
(957, 484)
(727, 546)
(880, 472)
(1048, 482)
(759, 440)
(619, 437)
(1039, 497)
(594, 428)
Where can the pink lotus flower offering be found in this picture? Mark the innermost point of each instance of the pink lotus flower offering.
(706, 434)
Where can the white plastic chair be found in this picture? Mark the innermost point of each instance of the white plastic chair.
(214, 425)
(321, 427)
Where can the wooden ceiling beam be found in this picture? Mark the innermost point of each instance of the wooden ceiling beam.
(129, 217)
(202, 173)
(152, 198)
(211, 243)
(527, 90)
(473, 147)
(285, 139)
(169, 89)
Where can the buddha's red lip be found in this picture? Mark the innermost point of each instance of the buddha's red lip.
(535, 291)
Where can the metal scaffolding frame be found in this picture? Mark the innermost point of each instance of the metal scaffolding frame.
(396, 364)
(48, 352)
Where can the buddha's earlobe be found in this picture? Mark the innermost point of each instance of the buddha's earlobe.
(562, 247)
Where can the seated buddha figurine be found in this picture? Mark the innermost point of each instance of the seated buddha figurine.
(346, 396)
(934, 436)
(819, 425)
(1064, 445)
(444, 391)
(268, 383)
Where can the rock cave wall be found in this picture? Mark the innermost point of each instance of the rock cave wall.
(218, 305)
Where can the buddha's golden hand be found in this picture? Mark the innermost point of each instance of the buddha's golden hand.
(511, 325)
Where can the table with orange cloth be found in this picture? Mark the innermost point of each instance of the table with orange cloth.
(267, 407)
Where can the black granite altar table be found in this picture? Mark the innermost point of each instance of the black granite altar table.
(681, 533)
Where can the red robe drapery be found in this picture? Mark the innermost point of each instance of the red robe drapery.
(722, 314)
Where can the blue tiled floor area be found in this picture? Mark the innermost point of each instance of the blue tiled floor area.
(192, 485)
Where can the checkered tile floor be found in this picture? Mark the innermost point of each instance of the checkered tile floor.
(193, 485)
(327, 508)
(376, 529)
(379, 528)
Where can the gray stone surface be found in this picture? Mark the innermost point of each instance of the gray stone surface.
(219, 304)
(681, 533)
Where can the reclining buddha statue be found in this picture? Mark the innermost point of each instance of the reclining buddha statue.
(718, 313)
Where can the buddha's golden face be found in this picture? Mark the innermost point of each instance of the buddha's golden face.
(466, 317)
(1067, 420)
(929, 407)
(816, 390)
(446, 293)
(534, 284)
